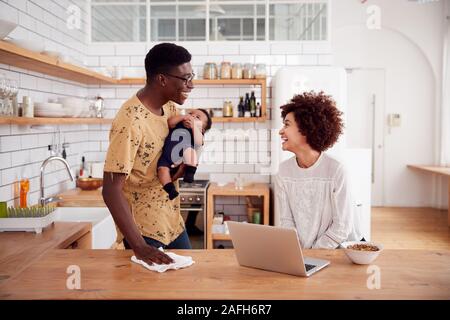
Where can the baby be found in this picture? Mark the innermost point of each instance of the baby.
(181, 146)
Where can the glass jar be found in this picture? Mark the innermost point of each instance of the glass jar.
(260, 72)
(225, 70)
(227, 109)
(210, 71)
(236, 71)
(218, 113)
(249, 71)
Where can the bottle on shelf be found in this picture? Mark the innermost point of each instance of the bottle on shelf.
(247, 106)
(241, 107)
(258, 110)
(253, 105)
(24, 188)
(83, 171)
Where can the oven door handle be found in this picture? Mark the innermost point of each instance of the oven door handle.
(191, 209)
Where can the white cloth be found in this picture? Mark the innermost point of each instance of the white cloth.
(316, 201)
(179, 262)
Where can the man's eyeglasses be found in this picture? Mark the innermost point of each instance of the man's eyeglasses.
(186, 80)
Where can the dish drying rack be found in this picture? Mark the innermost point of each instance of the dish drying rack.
(30, 219)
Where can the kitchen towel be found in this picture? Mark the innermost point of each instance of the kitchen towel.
(179, 262)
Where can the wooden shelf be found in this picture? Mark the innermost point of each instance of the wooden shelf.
(54, 121)
(140, 81)
(239, 82)
(220, 236)
(19, 57)
(233, 119)
(254, 189)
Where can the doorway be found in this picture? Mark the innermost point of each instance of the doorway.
(365, 121)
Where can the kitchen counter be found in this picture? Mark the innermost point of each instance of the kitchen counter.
(19, 249)
(440, 170)
(109, 274)
(81, 198)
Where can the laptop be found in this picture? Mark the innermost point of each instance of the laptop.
(271, 248)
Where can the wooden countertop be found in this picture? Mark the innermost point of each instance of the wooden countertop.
(440, 170)
(109, 274)
(19, 249)
(255, 189)
(432, 169)
(81, 198)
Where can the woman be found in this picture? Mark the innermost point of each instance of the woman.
(312, 192)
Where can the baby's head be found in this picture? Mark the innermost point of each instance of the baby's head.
(203, 116)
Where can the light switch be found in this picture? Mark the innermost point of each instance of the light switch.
(394, 120)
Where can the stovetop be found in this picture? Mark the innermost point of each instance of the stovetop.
(199, 185)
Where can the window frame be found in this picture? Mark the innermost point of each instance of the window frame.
(267, 3)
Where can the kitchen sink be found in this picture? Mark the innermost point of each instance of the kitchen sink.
(103, 227)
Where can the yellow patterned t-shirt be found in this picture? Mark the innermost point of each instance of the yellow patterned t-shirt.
(136, 140)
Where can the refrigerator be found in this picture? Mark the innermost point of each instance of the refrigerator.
(289, 81)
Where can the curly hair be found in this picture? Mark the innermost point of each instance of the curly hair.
(317, 118)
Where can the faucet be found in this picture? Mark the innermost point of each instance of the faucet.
(43, 201)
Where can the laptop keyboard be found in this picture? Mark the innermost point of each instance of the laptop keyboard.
(309, 267)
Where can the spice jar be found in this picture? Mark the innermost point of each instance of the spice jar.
(249, 71)
(210, 71)
(225, 70)
(236, 71)
(260, 72)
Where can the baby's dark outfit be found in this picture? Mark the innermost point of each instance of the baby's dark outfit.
(179, 139)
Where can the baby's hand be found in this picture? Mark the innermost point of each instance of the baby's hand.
(188, 121)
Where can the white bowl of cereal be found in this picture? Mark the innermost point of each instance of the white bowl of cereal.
(362, 252)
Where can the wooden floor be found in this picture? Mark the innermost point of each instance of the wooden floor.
(410, 228)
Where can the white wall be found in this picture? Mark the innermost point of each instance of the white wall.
(22, 149)
(409, 48)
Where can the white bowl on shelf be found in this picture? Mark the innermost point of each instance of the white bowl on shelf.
(71, 112)
(75, 107)
(49, 110)
(360, 256)
(6, 27)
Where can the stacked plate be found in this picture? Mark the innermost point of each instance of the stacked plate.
(75, 107)
(49, 110)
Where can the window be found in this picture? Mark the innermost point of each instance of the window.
(298, 21)
(208, 20)
(114, 21)
(237, 22)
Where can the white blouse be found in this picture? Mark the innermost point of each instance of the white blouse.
(316, 201)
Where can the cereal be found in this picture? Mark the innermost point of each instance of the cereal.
(363, 247)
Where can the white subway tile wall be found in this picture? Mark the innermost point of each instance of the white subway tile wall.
(22, 149)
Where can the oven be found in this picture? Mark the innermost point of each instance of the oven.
(193, 209)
